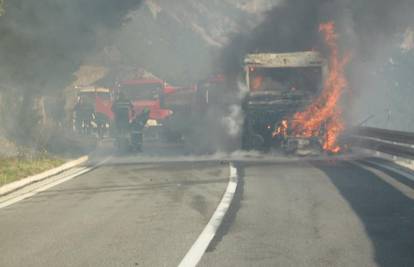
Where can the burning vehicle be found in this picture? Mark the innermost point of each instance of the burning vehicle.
(294, 99)
(279, 86)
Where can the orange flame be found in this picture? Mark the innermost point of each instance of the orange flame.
(257, 83)
(325, 115)
(282, 129)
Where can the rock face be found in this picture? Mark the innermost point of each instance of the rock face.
(181, 40)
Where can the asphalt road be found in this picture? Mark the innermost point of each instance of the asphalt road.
(317, 214)
(116, 215)
(283, 214)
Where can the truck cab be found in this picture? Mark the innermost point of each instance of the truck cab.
(150, 94)
(146, 93)
(100, 100)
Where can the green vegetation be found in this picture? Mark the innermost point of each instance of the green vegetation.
(13, 169)
(1, 7)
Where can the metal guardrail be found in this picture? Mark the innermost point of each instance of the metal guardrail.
(396, 143)
(386, 135)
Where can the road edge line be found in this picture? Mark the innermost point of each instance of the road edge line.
(14, 186)
(196, 252)
(45, 187)
(403, 173)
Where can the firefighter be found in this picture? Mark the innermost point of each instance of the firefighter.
(122, 109)
(137, 127)
(84, 112)
(101, 124)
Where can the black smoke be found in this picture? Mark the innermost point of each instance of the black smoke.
(293, 26)
(42, 43)
(367, 31)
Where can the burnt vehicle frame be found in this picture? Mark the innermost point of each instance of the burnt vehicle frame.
(265, 108)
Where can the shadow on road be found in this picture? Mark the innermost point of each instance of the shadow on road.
(400, 178)
(386, 213)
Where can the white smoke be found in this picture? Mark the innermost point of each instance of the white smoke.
(243, 89)
(408, 40)
(233, 123)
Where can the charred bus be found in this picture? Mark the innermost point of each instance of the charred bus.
(279, 85)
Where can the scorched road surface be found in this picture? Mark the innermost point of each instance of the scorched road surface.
(116, 215)
(317, 214)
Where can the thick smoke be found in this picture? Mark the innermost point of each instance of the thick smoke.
(179, 42)
(43, 42)
(369, 30)
(293, 26)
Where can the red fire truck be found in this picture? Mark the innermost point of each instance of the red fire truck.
(100, 100)
(150, 94)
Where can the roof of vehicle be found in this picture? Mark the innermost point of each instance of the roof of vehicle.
(285, 60)
(141, 81)
(94, 90)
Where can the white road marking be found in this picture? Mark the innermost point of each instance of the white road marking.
(196, 252)
(50, 185)
(390, 168)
